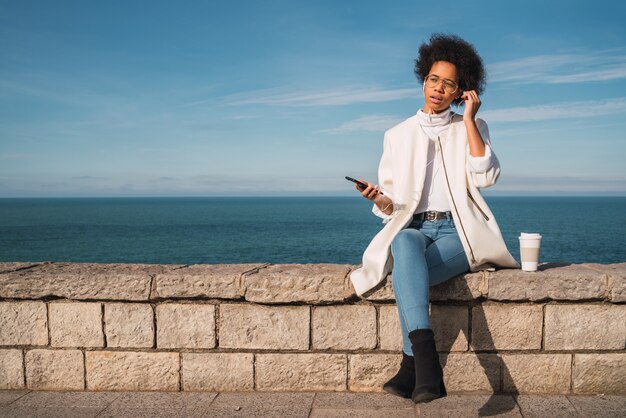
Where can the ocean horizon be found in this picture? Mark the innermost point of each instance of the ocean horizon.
(277, 229)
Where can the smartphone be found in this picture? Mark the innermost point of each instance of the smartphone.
(361, 185)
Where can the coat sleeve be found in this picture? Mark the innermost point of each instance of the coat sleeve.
(488, 177)
(385, 179)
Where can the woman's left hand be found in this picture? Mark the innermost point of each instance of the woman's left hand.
(472, 104)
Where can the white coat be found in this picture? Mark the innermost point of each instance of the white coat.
(401, 175)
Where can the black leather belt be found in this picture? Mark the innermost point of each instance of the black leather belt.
(432, 215)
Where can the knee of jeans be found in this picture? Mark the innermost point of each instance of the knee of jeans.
(402, 239)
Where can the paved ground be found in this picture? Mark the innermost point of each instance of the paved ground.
(308, 404)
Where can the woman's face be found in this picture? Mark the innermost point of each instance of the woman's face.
(439, 87)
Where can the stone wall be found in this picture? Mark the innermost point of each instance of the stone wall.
(66, 326)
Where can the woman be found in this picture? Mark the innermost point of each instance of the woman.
(437, 225)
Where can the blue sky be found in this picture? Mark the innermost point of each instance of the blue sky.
(150, 98)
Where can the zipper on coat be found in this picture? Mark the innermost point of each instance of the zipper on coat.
(476, 204)
(445, 171)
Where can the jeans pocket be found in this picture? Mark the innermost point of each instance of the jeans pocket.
(452, 224)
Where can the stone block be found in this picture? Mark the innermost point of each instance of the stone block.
(616, 274)
(450, 326)
(11, 369)
(506, 327)
(536, 373)
(348, 327)
(466, 287)
(599, 406)
(284, 283)
(383, 292)
(119, 370)
(185, 325)
(301, 372)
(264, 327)
(553, 406)
(588, 326)
(471, 372)
(69, 399)
(599, 373)
(10, 396)
(11, 266)
(617, 289)
(220, 372)
(389, 332)
(76, 324)
(368, 372)
(158, 404)
(129, 324)
(260, 405)
(23, 323)
(357, 405)
(55, 370)
(572, 282)
(81, 281)
(475, 405)
(220, 281)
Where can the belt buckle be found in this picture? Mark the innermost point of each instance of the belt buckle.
(430, 216)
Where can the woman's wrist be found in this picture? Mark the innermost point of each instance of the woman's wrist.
(470, 121)
(384, 204)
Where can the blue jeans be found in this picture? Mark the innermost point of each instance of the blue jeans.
(425, 254)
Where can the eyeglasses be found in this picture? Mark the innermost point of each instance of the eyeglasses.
(449, 86)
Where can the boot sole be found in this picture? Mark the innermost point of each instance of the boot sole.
(426, 397)
(429, 396)
(398, 392)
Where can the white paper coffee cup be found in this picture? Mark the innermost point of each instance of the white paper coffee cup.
(529, 245)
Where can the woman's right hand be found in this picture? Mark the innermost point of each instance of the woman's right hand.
(372, 192)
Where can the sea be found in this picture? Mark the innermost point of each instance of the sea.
(209, 230)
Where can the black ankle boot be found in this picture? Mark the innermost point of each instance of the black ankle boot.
(403, 382)
(428, 373)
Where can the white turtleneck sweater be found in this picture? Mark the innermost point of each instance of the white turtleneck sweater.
(434, 194)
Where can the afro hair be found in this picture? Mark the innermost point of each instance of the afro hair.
(451, 48)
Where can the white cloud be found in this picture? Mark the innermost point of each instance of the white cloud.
(369, 123)
(561, 68)
(342, 96)
(577, 109)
